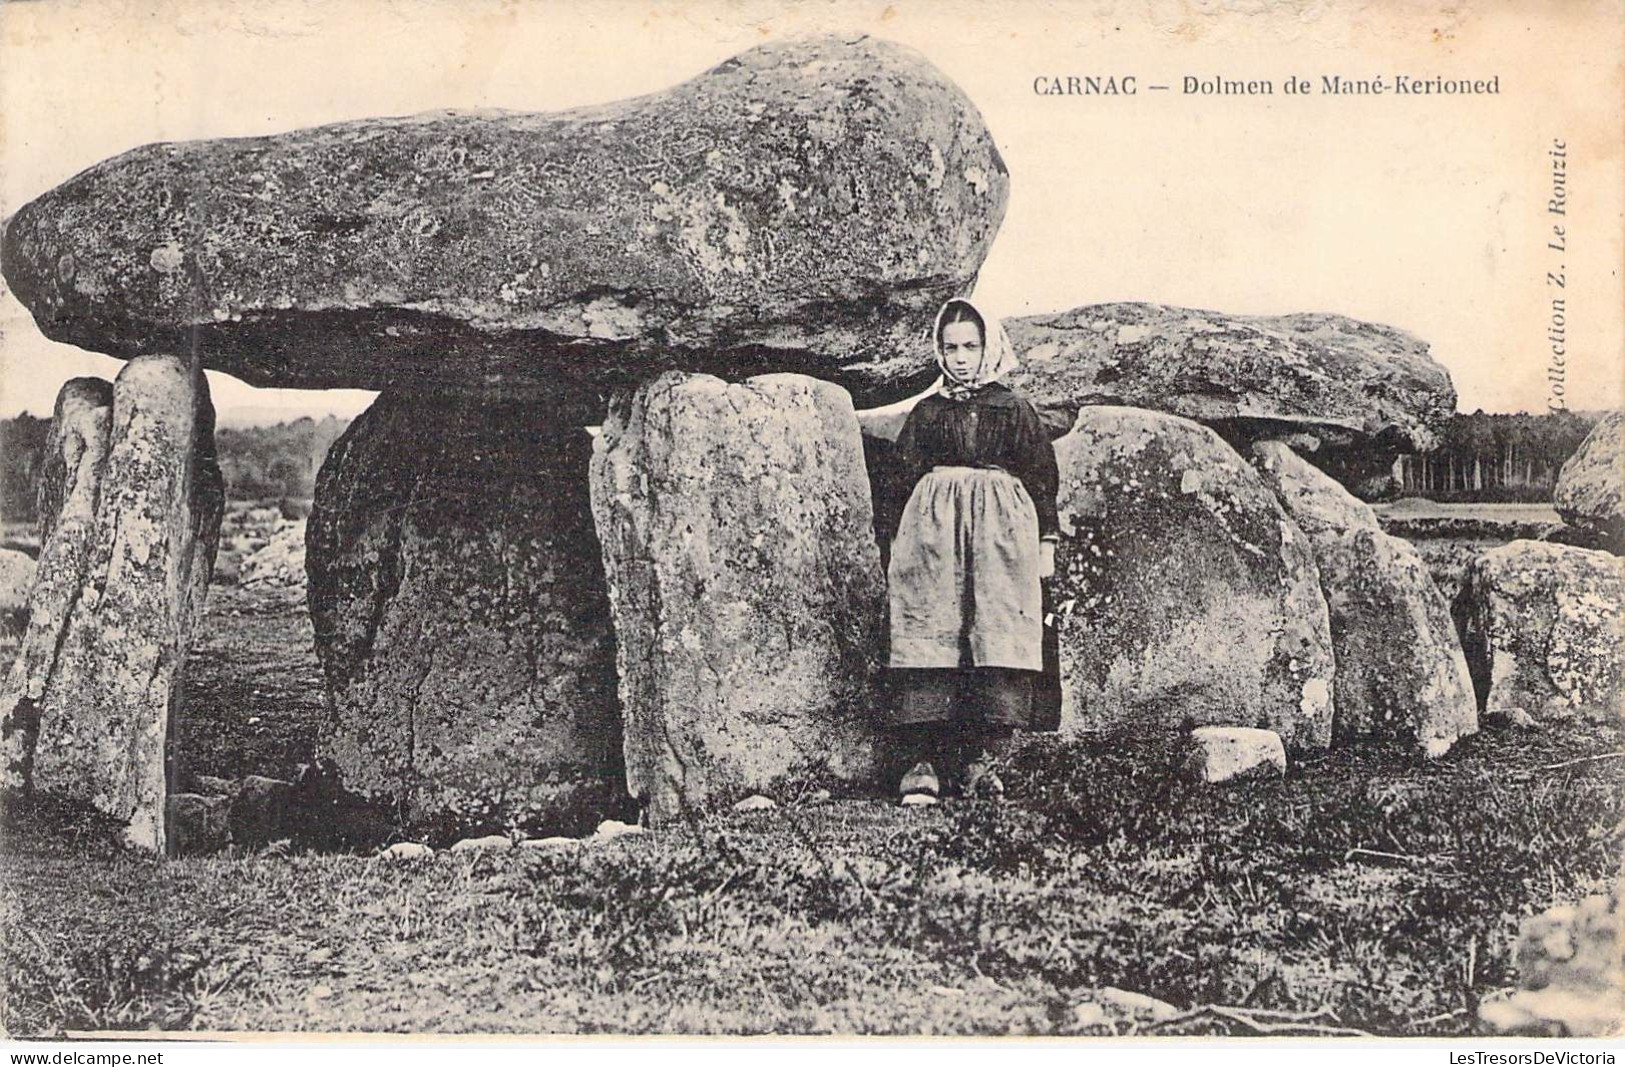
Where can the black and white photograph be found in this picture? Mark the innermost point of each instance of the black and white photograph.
(813, 518)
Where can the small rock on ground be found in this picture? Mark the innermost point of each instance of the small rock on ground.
(755, 802)
(210, 786)
(1111, 1007)
(407, 850)
(614, 828)
(1520, 718)
(549, 843)
(1223, 753)
(492, 843)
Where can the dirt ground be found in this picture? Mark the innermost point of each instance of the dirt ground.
(254, 698)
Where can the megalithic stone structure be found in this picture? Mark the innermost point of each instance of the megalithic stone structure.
(1185, 595)
(125, 594)
(1400, 671)
(802, 206)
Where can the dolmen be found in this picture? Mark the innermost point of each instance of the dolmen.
(609, 527)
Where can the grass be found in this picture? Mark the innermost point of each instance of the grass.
(1104, 869)
(1380, 893)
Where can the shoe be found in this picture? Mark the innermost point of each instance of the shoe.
(982, 781)
(921, 780)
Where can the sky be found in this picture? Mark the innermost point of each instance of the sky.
(1426, 213)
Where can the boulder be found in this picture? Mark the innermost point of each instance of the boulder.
(280, 564)
(1400, 671)
(325, 817)
(16, 580)
(1542, 627)
(197, 825)
(1186, 596)
(17, 571)
(457, 594)
(1221, 753)
(69, 488)
(211, 786)
(1120, 1010)
(1571, 973)
(1590, 490)
(263, 810)
(745, 585)
(117, 598)
(1355, 393)
(403, 851)
(610, 829)
(70, 464)
(805, 205)
(550, 844)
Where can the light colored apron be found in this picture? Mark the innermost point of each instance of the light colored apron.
(963, 577)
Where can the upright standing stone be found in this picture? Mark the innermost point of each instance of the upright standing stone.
(1400, 669)
(69, 490)
(105, 709)
(745, 585)
(1543, 627)
(1186, 595)
(457, 593)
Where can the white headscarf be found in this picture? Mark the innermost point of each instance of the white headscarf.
(998, 356)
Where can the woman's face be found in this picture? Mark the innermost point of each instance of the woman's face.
(962, 349)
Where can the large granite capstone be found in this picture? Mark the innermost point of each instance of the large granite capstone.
(1351, 395)
(803, 206)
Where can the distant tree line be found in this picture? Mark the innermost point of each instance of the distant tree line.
(1480, 457)
(1497, 457)
(258, 463)
(262, 462)
(22, 446)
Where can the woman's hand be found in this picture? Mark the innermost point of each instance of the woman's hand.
(1046, 559)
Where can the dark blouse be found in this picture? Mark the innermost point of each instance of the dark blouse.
(994, 427)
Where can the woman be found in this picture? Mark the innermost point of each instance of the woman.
(976, 537)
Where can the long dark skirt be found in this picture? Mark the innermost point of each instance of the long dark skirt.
(987, 696)
(970, 696)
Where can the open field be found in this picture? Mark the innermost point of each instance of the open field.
(1377, 894)
(1495, 512)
